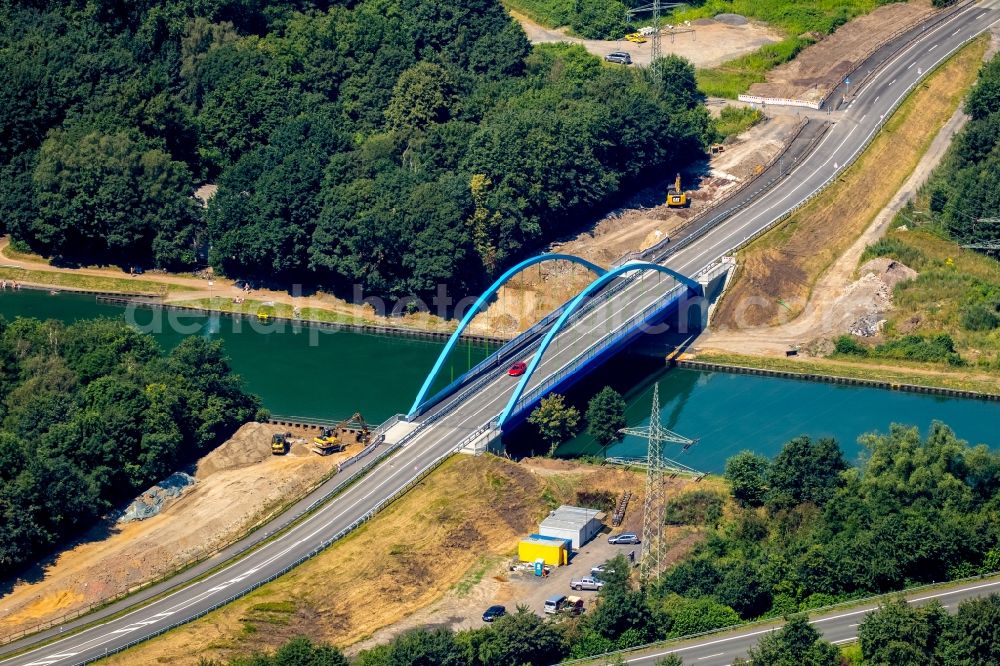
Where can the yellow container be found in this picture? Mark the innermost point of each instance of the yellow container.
(552, 552)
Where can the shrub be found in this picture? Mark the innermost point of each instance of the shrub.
(934, 348)
(701, 507)
(980, 317)
(847, 345)
(735, 120)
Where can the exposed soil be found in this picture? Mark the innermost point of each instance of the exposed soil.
(706, 44)
(238, 484)
(438, 557)
(838, 299)
(821, 67)
(777, 274)
(639, 223)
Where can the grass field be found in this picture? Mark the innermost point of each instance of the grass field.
(795, 18)
(952, 286)
(780, 269)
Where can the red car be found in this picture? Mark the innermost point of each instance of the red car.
(518, 369)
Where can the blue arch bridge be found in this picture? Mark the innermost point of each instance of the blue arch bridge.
(616, 307)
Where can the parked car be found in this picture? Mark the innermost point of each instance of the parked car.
(586, 583)
(518, 369)
(598, 570)
(620, 57)
(636, 38)
(555, 604)
(573, 606)
(624, 537)
(494, 612)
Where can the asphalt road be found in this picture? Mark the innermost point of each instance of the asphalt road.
(456, 417)
(837, 627)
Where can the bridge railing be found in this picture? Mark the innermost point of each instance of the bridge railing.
(515, 347)
(626, 329)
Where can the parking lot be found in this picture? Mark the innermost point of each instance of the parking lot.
(532, 591)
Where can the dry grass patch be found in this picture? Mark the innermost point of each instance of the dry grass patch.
(777, 272)
(444, 535)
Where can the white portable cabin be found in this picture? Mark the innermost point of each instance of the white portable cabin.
(574, 523)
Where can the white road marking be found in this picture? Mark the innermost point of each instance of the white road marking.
(932, 48)
(311, 519)
(910, 65)
(711, 656)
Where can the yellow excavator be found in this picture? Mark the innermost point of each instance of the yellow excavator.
(336, 439)
(676, 197)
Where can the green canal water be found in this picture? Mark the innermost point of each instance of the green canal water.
(729, 413)
(313, 372)
(333, 374)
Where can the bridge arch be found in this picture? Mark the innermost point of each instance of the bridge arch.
(478, 305)
(573, 306)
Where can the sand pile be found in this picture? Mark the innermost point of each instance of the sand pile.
(249, 445)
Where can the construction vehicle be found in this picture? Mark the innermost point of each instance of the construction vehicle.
(676, 197)
(281, 443)
(635, 38)
(337, 438)
(717, 148)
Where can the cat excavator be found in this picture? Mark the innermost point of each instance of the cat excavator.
(337, 438)
(676, 197)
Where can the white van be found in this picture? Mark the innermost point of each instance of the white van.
(555, 604)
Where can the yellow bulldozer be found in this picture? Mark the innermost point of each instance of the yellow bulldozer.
(337, 438)
(676, 197)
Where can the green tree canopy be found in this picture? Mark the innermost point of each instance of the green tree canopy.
(556, 421)
(606, 416)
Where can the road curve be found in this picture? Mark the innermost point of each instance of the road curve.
(450, 422)
(836, 626)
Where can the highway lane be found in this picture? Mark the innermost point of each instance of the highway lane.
(453, 422)
(838, 627)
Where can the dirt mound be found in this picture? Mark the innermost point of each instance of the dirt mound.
(889, 271)
(866, 301)
(250, 444)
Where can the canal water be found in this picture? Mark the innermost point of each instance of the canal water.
(728, 413)
(333, 374)
(325, 373)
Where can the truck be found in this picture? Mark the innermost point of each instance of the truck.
(586, 583)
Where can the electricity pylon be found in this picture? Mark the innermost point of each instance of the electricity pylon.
(657, 469)
(654, 9)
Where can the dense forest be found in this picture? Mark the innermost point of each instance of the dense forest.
(92, 412)
(395, 144)
(801, 531)
(964, 191)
